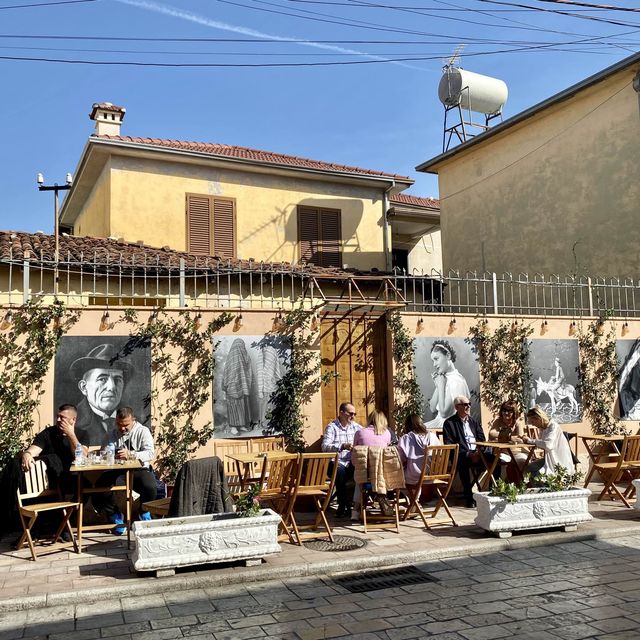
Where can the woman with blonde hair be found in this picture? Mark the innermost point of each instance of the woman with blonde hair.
(376, 434)
(557, 452)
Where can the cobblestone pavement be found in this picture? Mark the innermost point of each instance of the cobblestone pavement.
(570, 591)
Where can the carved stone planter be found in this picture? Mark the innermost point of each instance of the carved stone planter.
(163, 545)
(535, 510)
(636, 484)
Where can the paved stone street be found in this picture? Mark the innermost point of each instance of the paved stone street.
(576, 590)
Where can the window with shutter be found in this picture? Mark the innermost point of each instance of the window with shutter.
(224, 236)
(211, 226)
(320, 236)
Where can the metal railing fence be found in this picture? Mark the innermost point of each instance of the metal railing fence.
(210, 283)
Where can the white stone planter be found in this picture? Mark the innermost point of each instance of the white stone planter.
(535, 510)
(636, 484)
(163, 545)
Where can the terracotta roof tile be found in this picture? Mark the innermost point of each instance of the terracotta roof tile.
(416, 201)
(255, 155)
(105, 251)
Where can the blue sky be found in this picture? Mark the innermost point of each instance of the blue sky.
(378, 115)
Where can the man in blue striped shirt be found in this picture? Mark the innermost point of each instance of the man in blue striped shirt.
(338, 436)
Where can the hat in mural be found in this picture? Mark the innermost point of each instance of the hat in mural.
(104, 356)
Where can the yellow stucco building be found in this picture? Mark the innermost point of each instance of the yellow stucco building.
(554, 189)
(234, 202)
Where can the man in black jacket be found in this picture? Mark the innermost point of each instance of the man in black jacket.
(463, 430)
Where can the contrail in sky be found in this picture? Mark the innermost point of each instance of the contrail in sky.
(224, 26)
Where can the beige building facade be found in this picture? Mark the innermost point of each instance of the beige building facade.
(554, 189)
(140, 190)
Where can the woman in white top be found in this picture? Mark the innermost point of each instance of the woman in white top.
(448, 381)
(557, 452)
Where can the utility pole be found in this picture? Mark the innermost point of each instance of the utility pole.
(56, 232)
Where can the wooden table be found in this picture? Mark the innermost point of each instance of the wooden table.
(599, 447)
(498, 448)
(246, 462)
(86, 486)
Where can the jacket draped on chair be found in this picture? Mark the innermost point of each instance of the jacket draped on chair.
(381, 466)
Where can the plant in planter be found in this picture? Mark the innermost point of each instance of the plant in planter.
(553, 501)
(248, 502)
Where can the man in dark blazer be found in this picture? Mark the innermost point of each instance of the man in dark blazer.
(463, 430)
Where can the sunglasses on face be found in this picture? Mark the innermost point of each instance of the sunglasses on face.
(350, 413)
(464, 404)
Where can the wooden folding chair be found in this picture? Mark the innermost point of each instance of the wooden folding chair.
(279, 480)
(625, 469)
(223, 447)
(375, 518)
(268, 443)
(314, 482)
(438, 471)
(36, 486)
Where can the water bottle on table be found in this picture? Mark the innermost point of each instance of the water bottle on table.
(79, 455)
(111, 453)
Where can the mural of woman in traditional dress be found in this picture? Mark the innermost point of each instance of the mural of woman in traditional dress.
(554, 379)
(628, 353)
(445, 368)
(237, 378)
(247, 372)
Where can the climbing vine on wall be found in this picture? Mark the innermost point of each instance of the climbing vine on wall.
(408, 398)
(29, 338)
(503, 356)
(301, 381)
(599, 375)
(183, 362)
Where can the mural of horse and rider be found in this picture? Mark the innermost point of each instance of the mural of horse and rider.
(554, 384)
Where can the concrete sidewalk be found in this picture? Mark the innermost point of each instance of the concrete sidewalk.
(104, 569)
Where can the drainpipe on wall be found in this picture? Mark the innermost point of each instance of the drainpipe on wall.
(388, 264)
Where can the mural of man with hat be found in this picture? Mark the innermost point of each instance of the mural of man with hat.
(101, 376)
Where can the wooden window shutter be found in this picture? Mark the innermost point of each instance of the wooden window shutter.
(331, 238)
(224, 235)
(309, 234)
(199, 224)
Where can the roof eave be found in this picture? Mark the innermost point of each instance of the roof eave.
(432, 165)
(244, 161)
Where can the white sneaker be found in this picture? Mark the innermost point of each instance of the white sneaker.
(355, 515)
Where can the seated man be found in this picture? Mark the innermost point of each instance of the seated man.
(132, 440)
(463, 430)
(338, 436)
(56, 445)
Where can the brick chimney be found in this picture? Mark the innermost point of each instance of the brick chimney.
(108, 118)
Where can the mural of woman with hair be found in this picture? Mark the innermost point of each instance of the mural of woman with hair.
(629, 385)
(236, 383)
(449, 383)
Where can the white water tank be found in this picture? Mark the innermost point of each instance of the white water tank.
(472, 91)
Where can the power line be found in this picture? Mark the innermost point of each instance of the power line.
(137, 63)
(45, 4)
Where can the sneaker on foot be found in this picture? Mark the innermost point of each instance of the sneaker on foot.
(145, 515)
(355, 515)
(118, 518)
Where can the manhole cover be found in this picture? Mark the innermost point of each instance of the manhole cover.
(381, 579)
(340, 543)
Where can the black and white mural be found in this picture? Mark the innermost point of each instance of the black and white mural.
(99, 374)
(628, 353)
(247, 372)
(554, 379)
(446, 368)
